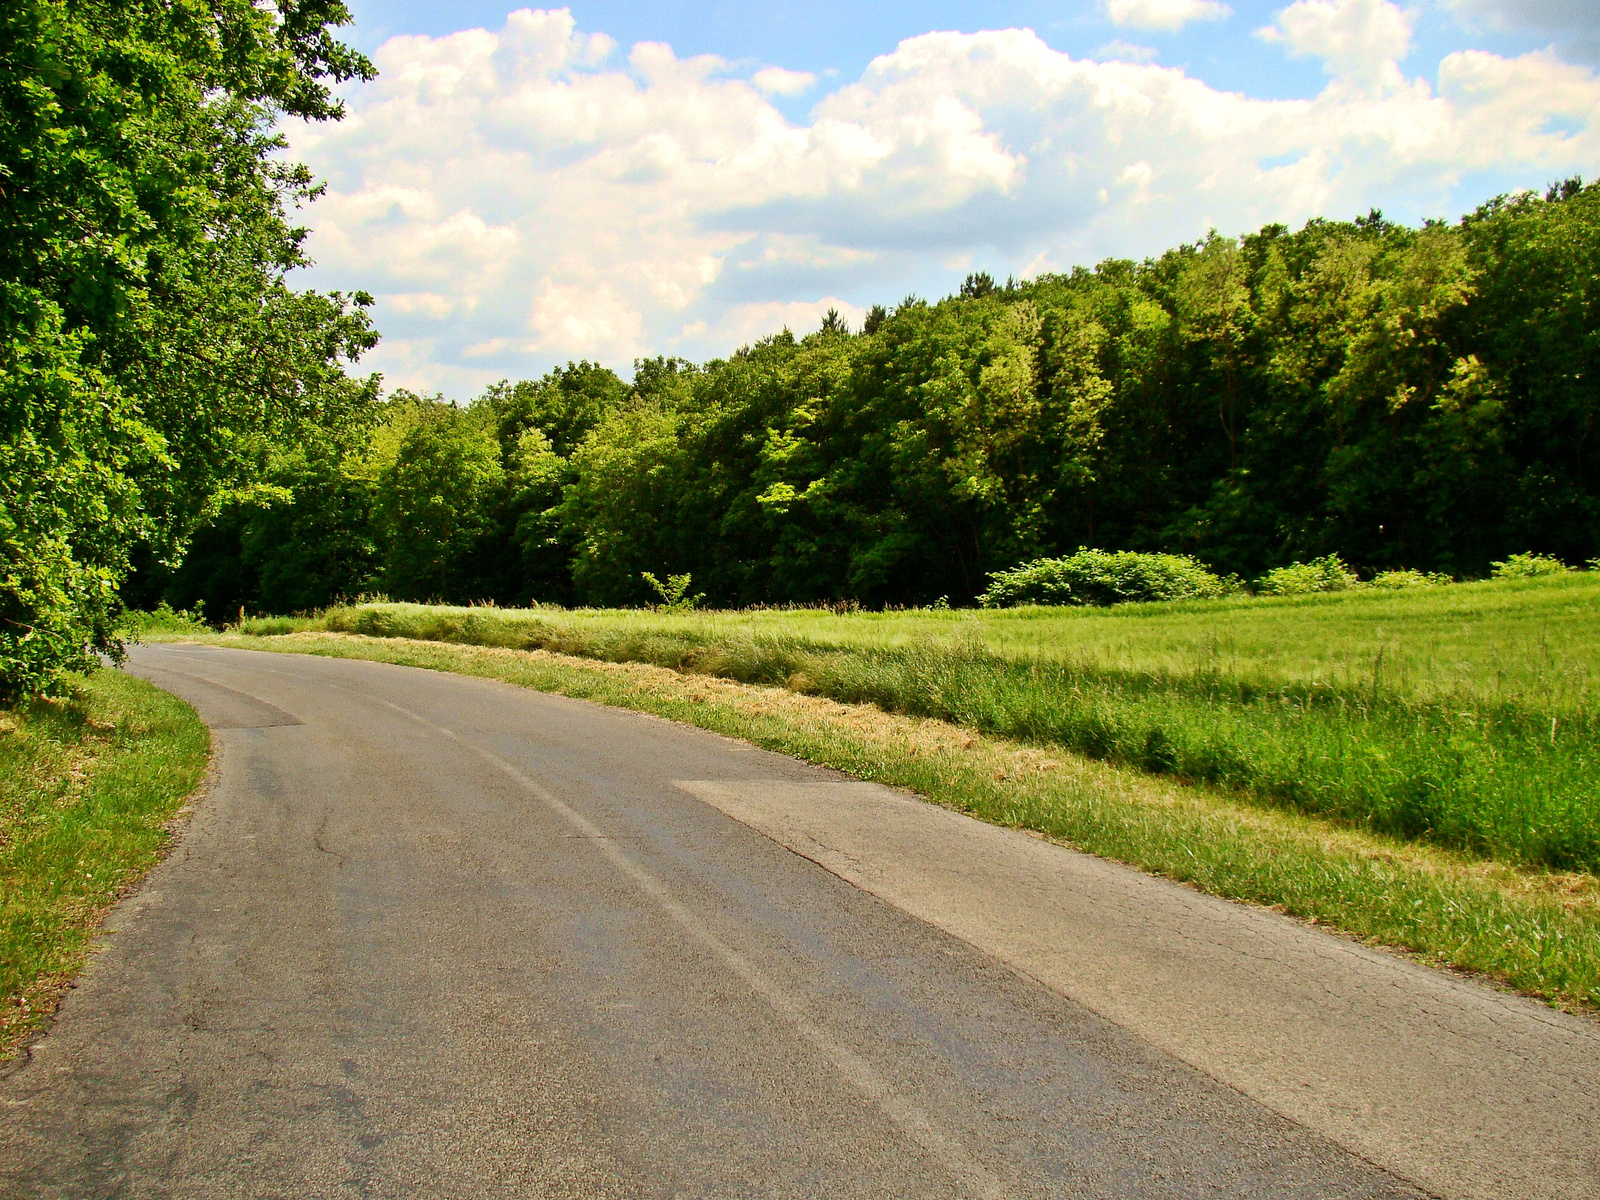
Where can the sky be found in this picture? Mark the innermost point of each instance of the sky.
(615, 180)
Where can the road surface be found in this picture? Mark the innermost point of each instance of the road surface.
(434, 936)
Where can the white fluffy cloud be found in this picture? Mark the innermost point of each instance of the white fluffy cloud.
(1354, 38)
(778, 82)
(1168, 16)
(526, 195)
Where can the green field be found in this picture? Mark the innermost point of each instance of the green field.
(1462, 715)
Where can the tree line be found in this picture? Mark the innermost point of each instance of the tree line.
(1421, 399)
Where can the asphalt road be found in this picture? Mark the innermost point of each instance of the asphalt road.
(432, 936)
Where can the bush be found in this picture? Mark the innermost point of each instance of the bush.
(674, 592)
(1103, 577)
(165, 619)
(1526, 566)
(1326, 574)
(1409, 579)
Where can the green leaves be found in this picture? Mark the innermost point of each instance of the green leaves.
(674, 592)
(1529, 566)
(1326, 574)
(1096, 577)
(438, 503)
(151, 354)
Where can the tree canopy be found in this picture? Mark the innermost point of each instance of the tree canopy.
(153, 359)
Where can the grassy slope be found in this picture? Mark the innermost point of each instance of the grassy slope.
(86, 791)
(1533, 640)
(1462, 715)
(1538, 931)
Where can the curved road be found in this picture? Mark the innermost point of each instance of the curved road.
(433, 936)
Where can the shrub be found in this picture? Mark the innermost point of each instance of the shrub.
(1409, 579)
(1526, 566)
(1326, 574)
(674, 592)
(165, 619)
(1103, 577)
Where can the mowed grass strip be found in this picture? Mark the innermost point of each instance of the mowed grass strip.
(88, 787)
(1425, 741)
(1538, 931)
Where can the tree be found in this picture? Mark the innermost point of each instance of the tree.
(151, 353)
(1213, 299)
(1533, 326)
(628, 483)
(537, 480)
(564, 405)
(977, 285)
(438, 506)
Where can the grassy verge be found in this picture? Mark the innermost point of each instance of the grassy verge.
(1536, 930)
(1407, 745)
(87, 788)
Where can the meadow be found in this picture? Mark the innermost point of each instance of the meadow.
(1464, 716)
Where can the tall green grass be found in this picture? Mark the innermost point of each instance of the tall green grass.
(1464, 716)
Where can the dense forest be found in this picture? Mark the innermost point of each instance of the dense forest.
(1422, 398)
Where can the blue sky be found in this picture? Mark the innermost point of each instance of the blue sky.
(842, 37)
(524, 187)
